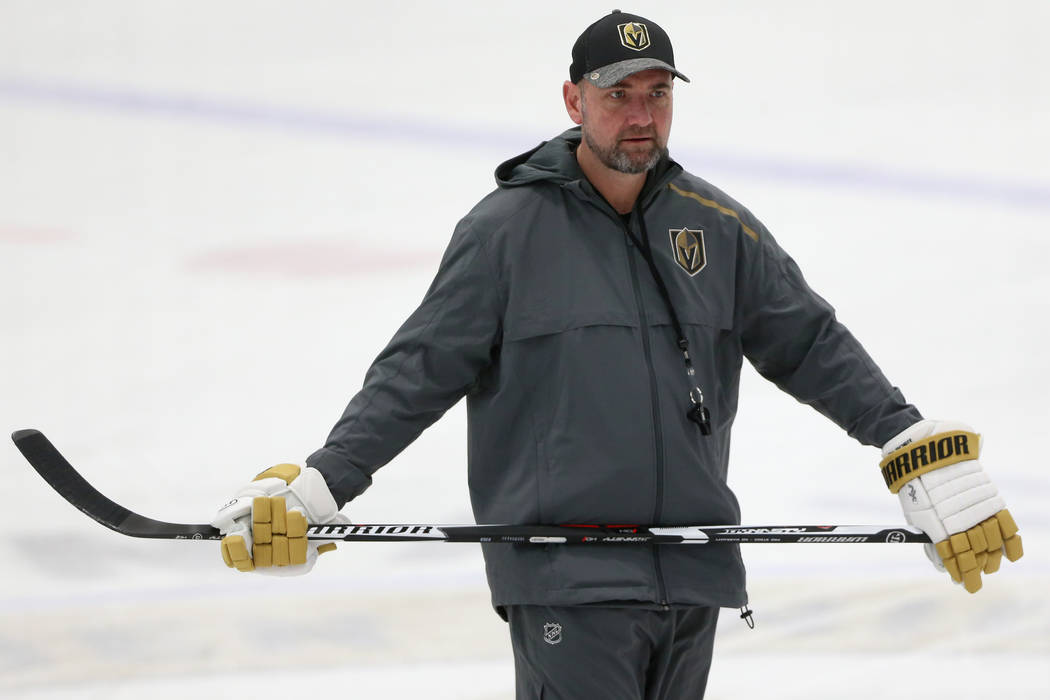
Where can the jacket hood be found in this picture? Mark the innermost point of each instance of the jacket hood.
(553, 160)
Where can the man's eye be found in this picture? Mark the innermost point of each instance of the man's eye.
(616, 94)
(658, 93)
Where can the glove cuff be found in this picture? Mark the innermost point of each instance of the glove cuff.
(926, 446)
(317, 500)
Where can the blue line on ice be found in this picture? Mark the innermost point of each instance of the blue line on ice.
(1034, 196)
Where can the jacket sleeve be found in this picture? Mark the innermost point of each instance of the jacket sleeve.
(791, 336)
(430, 364)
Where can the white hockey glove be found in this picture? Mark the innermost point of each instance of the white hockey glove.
(264, 526)
(932, 467)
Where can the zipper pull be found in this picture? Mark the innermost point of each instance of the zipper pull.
(699, 413)
(747, 616)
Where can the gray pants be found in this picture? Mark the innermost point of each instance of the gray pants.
(614, 653)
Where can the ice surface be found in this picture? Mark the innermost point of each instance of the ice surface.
(212, 217)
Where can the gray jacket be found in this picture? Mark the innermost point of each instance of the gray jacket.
(547, 318)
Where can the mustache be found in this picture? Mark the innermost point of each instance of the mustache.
(643, 134)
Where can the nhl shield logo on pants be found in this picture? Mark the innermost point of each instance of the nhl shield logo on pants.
(687, 246)
(552, 633)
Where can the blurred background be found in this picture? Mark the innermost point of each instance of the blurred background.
(214, 215)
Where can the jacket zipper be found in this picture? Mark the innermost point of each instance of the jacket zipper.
(657, 431)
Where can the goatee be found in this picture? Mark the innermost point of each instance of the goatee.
(619, 160)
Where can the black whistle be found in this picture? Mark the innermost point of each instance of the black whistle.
(700, 415)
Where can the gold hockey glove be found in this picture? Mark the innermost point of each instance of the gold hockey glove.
(264, 526)
(933, 468)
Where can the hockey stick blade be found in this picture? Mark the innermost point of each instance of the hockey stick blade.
(69, 484)
(63, 478)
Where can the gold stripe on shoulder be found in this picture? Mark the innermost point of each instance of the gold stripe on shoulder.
(714, 205)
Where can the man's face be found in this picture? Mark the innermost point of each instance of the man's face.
(626, 126)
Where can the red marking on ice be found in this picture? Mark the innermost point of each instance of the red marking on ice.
(29, 234)
(312, 259)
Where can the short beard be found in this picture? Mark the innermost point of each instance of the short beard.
(618, 160)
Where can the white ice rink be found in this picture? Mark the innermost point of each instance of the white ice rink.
(213, 215)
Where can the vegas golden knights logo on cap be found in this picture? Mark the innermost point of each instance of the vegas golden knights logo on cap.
(634, 35)
(689, 250)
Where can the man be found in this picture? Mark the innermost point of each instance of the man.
(595, 311)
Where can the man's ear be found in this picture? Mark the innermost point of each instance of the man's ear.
(570, 92)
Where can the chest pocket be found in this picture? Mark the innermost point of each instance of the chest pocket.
(710, 306)
(575, 280)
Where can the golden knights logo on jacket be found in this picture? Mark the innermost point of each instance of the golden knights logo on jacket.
(634, 35)
(688, 249)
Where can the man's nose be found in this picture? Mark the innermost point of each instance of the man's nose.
(638, 113)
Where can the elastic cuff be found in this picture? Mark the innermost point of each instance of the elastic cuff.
(344, 479)
(933, 452)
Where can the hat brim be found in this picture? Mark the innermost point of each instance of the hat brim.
(607, 76)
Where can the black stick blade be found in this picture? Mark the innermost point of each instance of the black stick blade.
(64, 479)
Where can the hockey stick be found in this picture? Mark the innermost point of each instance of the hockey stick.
(62, 477)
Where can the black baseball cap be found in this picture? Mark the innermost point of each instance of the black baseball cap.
(618, 45)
